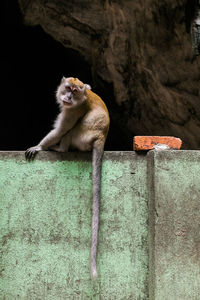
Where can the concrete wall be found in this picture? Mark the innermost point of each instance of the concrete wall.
(174, 187)
(148, 239)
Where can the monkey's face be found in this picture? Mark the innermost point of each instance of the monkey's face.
(70, 94)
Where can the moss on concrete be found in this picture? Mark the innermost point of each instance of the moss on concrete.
(46, 227)
(149, 240)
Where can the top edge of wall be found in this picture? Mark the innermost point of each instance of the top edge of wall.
(115, 155)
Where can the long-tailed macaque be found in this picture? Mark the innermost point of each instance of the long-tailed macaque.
(82, 124)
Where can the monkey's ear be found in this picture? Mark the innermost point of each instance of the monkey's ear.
(87, 86)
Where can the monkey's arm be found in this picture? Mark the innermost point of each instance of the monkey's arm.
(62, 125)
(52, 138)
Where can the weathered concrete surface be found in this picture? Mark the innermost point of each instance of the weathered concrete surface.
(46, 227)
(174, 185)
(149, 242)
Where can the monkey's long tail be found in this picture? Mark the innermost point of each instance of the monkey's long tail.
(96, 177)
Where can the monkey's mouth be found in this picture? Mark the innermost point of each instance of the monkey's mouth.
(67, 102)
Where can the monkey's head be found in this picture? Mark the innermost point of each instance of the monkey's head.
(71, 92)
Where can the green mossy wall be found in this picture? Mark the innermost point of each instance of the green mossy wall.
(148, 238)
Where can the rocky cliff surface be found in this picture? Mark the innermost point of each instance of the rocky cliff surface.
(141, 50)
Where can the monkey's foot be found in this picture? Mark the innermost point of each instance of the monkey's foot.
(58, 148)
(31, 152)
(55, 148)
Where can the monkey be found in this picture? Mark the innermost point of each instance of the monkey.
(82, 124)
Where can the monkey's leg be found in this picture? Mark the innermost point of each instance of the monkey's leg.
(64, 144)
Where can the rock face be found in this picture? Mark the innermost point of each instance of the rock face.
(142, 51)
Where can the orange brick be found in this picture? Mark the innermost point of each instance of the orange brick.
(141, 143)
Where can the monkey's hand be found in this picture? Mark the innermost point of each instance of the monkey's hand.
(31, 152)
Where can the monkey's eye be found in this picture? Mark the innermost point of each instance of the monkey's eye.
(68, 88)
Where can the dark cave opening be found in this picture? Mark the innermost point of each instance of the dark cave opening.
(190, 10)
(33, 67)
(34, 64)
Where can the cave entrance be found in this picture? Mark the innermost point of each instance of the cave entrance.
(195, 33)
(34, 66)
(192, 15)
